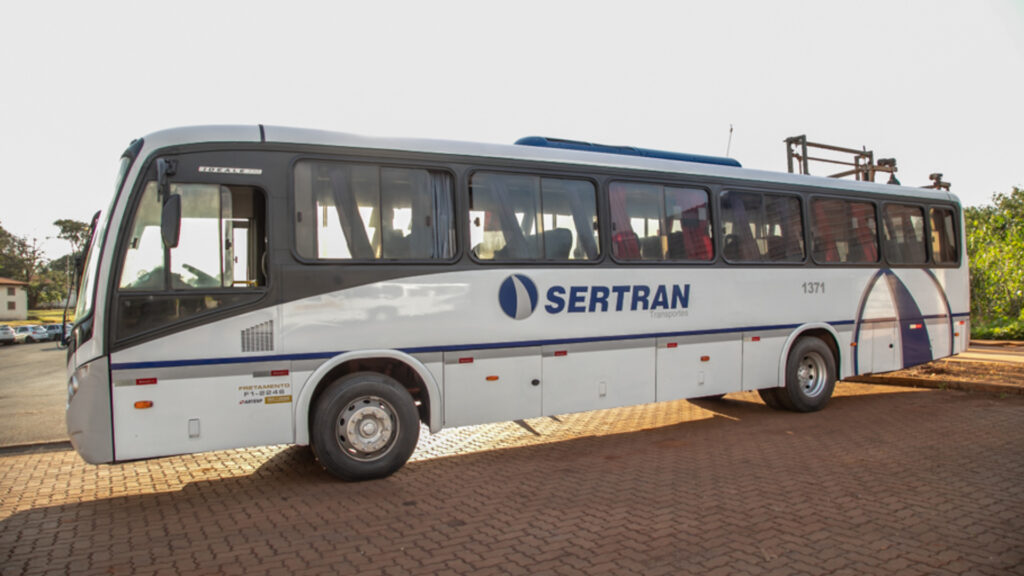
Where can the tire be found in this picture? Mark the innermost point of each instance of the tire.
(810, 376)
(365, 425)
(770, 397)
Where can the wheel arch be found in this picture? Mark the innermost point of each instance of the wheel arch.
(409, 371)
(820, 330)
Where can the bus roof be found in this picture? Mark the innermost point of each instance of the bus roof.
(562, 155)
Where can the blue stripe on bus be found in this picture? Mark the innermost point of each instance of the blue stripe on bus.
(462, 347)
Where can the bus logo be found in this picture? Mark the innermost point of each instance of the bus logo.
(518, 296)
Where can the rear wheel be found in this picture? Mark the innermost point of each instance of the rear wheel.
(365, 425)
(770, 397)
(810, 376)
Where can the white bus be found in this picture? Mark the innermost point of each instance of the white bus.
(255, 285)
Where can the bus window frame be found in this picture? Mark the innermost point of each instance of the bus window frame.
(356, 160)
(599, 201)
(928, 262)
(957, 234)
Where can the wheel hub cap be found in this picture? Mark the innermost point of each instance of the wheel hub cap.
(811, 374)
(366, 426)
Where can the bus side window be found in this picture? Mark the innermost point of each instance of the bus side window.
(688, 224)
(503, 209)
(944, 237)
(368, 212)
(526, 217)
(762, 227)
(656, 222)
(569, 219)
(904, 234)
(843, 231)
(638, 215)
(740, 215)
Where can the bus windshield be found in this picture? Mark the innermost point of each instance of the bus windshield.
(84, 306)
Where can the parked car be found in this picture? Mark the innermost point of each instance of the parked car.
(32, 333)
(6, 334)
(54, 330)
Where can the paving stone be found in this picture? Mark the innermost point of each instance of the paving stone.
(885, 480)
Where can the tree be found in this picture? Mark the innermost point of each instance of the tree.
(995, 249)
(74, 231)
(10, 267)
(20, 257)
(23, 259)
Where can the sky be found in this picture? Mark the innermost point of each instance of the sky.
(936, 84)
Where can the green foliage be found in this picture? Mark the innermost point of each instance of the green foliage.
(74, 231)
(11, 249)
(995, 249)
(1001, 331)
(23, 259)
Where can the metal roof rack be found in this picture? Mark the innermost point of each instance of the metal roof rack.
(862, 166)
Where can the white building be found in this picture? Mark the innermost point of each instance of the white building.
(13, 299)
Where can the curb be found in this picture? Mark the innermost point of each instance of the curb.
(37, 448)
(962, 385)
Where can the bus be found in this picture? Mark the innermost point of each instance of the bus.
(260, 285)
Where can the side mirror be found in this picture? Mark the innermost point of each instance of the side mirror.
(170, 221)
(164, 170)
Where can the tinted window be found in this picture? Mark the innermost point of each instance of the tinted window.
(904, 234)
(655, 222)
(369, 212)
(761, 227)
(526, 217)
(944, 236)
(843, 231)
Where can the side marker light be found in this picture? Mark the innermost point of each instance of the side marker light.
(143, 404)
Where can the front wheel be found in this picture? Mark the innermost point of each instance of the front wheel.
(810, 376)
(365, 425)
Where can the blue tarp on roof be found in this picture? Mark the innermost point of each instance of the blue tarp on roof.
(543, 142)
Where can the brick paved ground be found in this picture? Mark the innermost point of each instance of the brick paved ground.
(884, 481)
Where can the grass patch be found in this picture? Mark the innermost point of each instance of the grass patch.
(41, 317)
